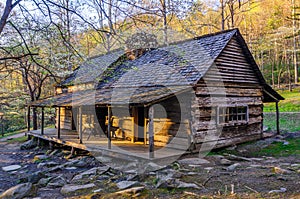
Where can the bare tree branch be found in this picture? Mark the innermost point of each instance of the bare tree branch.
(18, 57)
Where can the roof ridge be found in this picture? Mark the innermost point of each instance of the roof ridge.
(199, 37)
(216, 33)
(105, 53)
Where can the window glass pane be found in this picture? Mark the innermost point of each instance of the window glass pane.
(232, 114)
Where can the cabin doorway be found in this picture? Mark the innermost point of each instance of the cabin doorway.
(141, 123)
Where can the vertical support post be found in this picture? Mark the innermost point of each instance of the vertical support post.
(43, 121)
(151, 132)
(262, 122)
(108, 126)
(28, 118)
(80, 124)
(189, 135)
(58, 124)
(277, 119)
(133, 128)
(145, 130)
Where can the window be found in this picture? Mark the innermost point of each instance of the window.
(232, 114)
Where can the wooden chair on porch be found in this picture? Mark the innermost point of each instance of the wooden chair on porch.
(113, 128)
(90, 129)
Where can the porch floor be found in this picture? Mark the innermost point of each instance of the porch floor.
(120, 148)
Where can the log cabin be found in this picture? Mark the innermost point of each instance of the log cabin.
(198, 94)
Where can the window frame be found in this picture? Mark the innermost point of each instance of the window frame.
(232, 114)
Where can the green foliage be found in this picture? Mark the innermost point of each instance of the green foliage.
(289, 122)
(278, 149)
(18, 140)
(6, 134)
(14, 123)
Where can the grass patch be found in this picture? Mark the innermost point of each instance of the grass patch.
(21, 131)
(18, 140)
(278, 149)
(290, 104)
(13, 133)
(289, 122)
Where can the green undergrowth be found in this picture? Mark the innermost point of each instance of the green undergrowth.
(289, 122)
(18, 140)
(12, 133)
(278, 149)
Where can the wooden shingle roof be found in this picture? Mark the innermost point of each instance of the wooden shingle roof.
(90, 70)
(156, 74)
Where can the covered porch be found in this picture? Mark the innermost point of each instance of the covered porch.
(148, 126)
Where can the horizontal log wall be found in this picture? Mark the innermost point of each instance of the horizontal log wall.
(65, 118)
(231, 81)
(171, 119)
(126, 124)
(232, 66)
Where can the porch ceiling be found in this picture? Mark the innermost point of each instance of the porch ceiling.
(270, 95)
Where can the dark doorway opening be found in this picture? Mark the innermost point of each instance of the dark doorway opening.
(141, 123)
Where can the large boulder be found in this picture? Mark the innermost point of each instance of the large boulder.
(19, 191)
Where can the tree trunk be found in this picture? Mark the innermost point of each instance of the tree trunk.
(68, 34)
(289, 74)
(294, 43)
(222, 15)
(165, 28)
(231, 9)
(5, 15)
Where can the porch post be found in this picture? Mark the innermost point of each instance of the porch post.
(151, 132)
(108, 126)
(43, 121)
(262, 122)
(277, 118)
(190, 135)
(80, 124)
(28, 118)
(58, 124)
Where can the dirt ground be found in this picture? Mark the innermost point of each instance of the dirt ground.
(254, 178)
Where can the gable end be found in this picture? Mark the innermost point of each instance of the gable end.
(233, 66)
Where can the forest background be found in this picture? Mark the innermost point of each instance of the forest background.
(42, 41)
